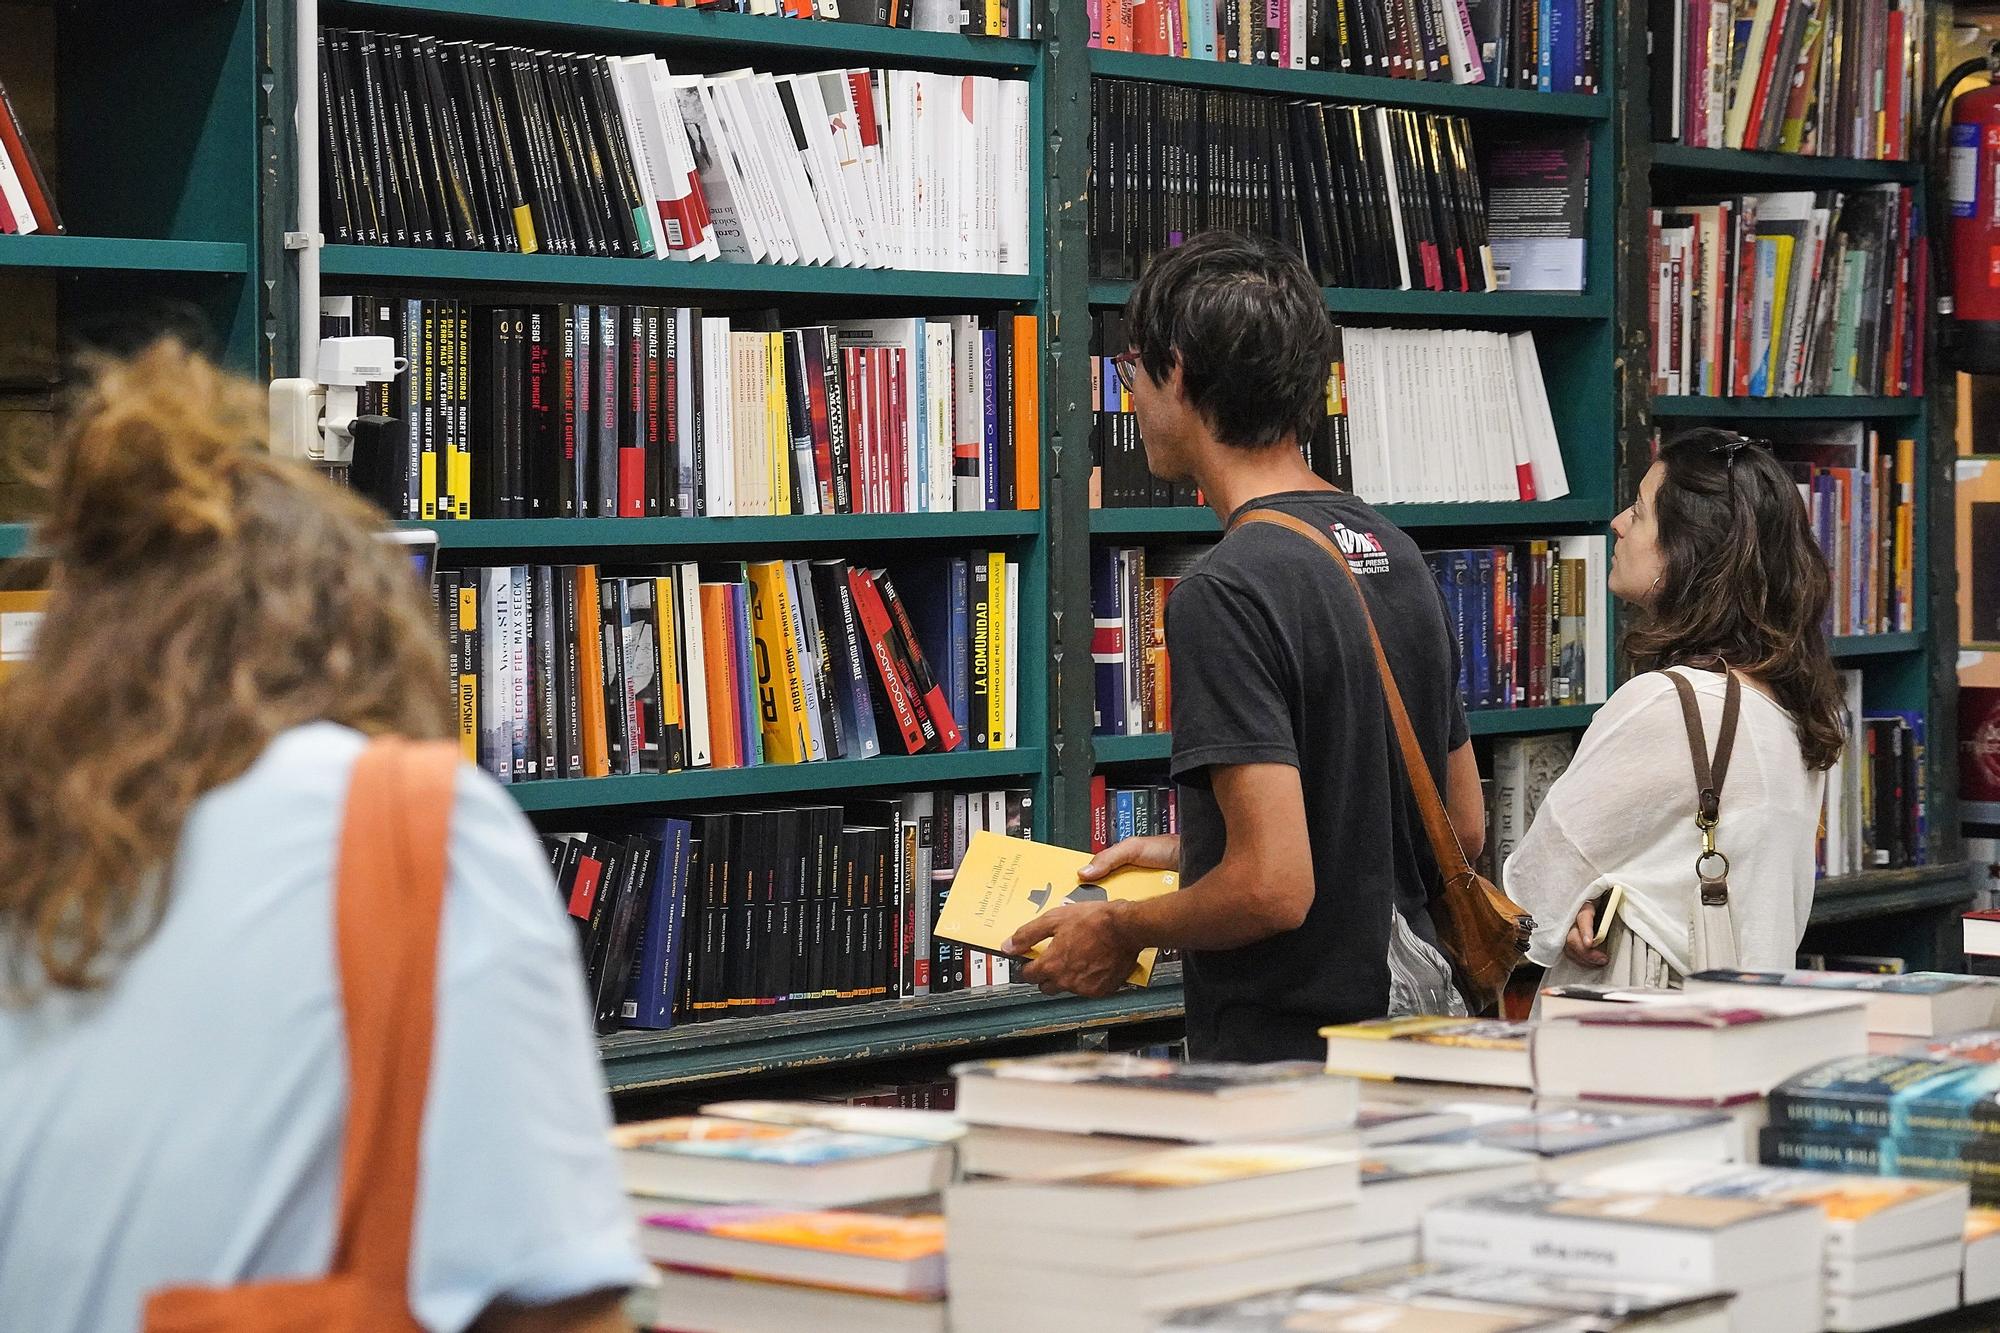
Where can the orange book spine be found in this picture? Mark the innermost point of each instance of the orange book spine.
(1027, 412)
(590, 667)
(717, 631)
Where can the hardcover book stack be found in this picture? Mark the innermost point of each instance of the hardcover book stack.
(732, 914)
(1551, 46)
(1000, 18)
(27, 203)
(1123, 1238)
(1449, 414)
(1897, 1008)
(1892, 1115)
(1129, 587)
(635, 411)
(474, 146)
(1400, 1180)
(1120, 476)
(1788, 293)
(572, 672)
(1838, 79)
(1371, 196)
(1529, 621)
(1442, 1298)
(771, 1226)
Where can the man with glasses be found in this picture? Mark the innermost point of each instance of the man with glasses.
(1299, 834)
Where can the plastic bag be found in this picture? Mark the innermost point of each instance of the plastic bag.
(1420, 980)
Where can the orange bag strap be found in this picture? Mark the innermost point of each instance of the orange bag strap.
(1437, 824)
(388, 906)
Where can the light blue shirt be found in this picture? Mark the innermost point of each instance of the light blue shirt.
(184, 1124)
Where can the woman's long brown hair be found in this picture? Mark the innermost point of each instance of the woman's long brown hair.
(204, 597)
(1745, 583)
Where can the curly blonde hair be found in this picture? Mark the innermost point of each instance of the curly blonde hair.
(204, 597)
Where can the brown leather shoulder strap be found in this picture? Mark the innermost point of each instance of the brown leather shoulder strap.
(388, 904)
(1709, 775)
(1437, 824)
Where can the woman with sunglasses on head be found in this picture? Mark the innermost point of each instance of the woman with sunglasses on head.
(1691, 810)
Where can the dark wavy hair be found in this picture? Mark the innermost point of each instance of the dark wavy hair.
(1745, 583)
(1250, 328)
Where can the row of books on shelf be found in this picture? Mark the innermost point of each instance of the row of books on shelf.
(569, 671)
(1837, 79)
(1118, 812)
(1461, 1182)
(632, 411)
(1546, 47)
(730, 914)
(476, 146)
(980, 18)
(27, 204)
(1877, 805)
(1129, 586)
(1787, 293)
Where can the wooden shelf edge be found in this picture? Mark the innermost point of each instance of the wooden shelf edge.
(412, 264)
(1152, 747)
(1471, 98)
(705, 784)
(587, 18)
(1834, 407)
(504, 534)
(1846, 646)
(740, 1047)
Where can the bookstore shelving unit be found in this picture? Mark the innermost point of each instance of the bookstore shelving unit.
(1911, 912)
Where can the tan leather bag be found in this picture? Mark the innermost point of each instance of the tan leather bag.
(1483, 932)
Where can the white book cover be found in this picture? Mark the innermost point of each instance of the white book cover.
(1596, 641)
(689, 643)
(930, 142)
(1012, 715)
(950, 155)
(1012, 186)
(646, 140)
(800, 173)
(1463, 408)
(1466, 67)
(780, 154)
(738, 238)
(968, 411)
(745, 145)
(1544, 448)
(1295, 20)
(895, 107)
(1357, 364)
(16, 196)
(1742, 95)
(1510, 414)
(1498, 440)
(829, 179)
(1385, 145)
(909, 131)
(496, 632)
(866, 96)
(682, 179)
(938, 416)
(989, 135)
(526, 753)
(845, 133)
(718, 450)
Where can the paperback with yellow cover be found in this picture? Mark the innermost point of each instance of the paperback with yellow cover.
(1004, 883)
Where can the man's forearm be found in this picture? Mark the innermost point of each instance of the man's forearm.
(1224, 909)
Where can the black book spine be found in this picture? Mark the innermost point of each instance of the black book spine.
(336, 209)
(476, 124)
(432, 162)
(979, 617)
(418, 204)
(517, 229)
(612, 617)
(547, 630)
(624, 175)
(531, 155)
(694, 498)
(661, 420)
(353, 112)
(585, 200)
(454, 187)
(381, 147)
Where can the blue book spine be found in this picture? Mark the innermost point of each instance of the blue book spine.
(1763, 331)
(1125, 821)
(1107, 642)
(990, 446)
(662, 948)
(1479, 593)
(1560, 39)
(957, 664)
(1544, 58)
(1454, 567)
(857, 714)
(749, 733)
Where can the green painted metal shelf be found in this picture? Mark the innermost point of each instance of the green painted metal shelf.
(602, 23)
(1463, 98)
(1430, 305)
(1157, 747)
(1832, 407)
(828, 778)
(409, 263)
(1874, 893)
(1178, 519)
(1876, 645)
(1673, 157)
(124, 255)
(742, 1047)
(13, 539)
(544, 534)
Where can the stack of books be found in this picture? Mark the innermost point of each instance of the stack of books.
(645, 411)
(1794, 292)
(1841, 79)
(1895, 1008)
(1891, 1115)
(754, 1226)
(1529, 620)
(572, 672)
(1400, 1180)
(27, 204)
(472, 146)
(1894, 1248)
(1474, 1052)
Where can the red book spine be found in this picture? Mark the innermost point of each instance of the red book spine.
(1745, 295)
(899, 431)
(921, 674)
(875, 625)
(14, 143)
(1100, 814)
(1784, 18)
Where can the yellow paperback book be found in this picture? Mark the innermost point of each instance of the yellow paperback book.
(1004, 883)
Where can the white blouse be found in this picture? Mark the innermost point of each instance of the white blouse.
(1623, 813)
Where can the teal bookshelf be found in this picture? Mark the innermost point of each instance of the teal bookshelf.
(117, 254)
(837, 775)
(1749, 170)
(1785, 409)
(1411, 306)
(1157, 747)
(666, 534)
(13, 540)
(1468, 99)
(1570, 511)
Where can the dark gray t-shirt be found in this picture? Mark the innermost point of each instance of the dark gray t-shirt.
(1272, 666)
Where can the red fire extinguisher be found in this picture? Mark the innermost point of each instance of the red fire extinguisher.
(1965, 171)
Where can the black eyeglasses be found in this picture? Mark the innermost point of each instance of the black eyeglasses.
(1126, 364)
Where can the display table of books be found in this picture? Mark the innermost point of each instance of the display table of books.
(1759, 1153)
